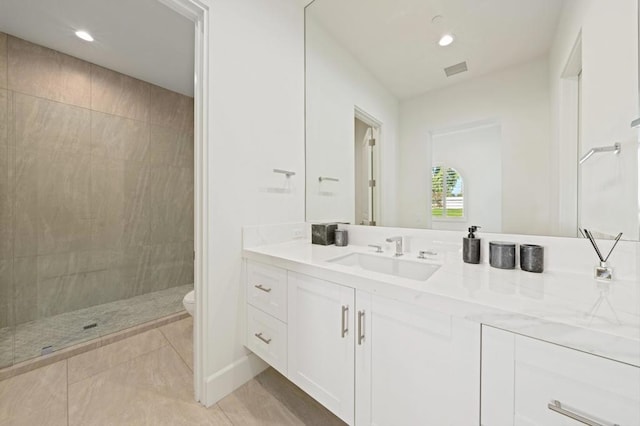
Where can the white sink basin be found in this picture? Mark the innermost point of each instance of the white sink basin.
(397, 267)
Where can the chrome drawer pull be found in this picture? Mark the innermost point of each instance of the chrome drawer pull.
(259, 336)
(345, 320)
(556, 406)
(360, 327)
(260, 287)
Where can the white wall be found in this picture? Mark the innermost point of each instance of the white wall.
(609, 187)
(518, 99)
(336, 84)
(257, 124)
(476, 154)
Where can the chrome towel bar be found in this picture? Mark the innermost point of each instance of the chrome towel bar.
(289, 173)
(330, 179)
(616, 147)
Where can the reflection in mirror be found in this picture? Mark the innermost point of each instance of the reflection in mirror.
(487, 130)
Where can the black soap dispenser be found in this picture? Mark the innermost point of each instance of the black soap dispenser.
(471, 247)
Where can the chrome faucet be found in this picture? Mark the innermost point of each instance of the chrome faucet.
(398, 241)
(377, 247)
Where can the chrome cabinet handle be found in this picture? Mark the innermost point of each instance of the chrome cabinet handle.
(259, 336)
(345, 320)
(265, 289)
(360, 327)
(556, 406)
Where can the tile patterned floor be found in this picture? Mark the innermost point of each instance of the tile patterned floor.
(27, 340)
(147, 380)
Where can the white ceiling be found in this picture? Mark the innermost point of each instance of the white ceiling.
(397, 41)
(140, 38)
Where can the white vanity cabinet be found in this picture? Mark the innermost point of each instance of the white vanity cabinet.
(373, 360)
(321, 342)
(530, 382)
(368, 359)
(267, 313)
(415, 366)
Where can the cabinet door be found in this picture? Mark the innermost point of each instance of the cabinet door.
(415, 366)
(528, 382)
(321, 344)
(594, 388)
(497, 393)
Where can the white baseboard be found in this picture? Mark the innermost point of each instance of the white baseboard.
(231, 377)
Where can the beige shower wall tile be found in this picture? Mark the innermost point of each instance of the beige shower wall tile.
(171, 147)
(51, 175)
(4, 117)
(46, 73)
(118, 94)
(3, 60)
(47, 125)
(6, 205)
(25, 223)
(63, 202)
(71, 281)
(67, 293)
(25, 289)
(171, 109)
(107, 203)
(6, 293)
(168, 265)
(133, 268)
(6, 346)
(38, 397)
(5, 103)
(71, 263)
(138, 186)
(118, 138)
(171, 219)
(51, 202)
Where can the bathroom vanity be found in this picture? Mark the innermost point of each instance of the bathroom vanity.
(468, 344)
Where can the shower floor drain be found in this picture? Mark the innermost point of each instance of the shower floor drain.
(88, 326)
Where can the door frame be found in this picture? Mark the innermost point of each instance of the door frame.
(370, 120)
(198, 12)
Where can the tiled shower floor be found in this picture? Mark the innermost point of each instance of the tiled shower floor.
(28, 340)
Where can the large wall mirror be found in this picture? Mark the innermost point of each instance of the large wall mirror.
(514, 115)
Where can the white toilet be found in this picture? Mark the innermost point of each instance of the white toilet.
(189, 302)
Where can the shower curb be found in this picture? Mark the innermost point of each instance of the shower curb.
(62, 354)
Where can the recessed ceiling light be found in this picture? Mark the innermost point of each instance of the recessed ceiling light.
(446, 40)
(84, 35)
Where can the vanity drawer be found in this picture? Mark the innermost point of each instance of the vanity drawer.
(267, 289)
(601, 390)
(267, 338)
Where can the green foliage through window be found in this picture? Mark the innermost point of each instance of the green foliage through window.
(447, 193)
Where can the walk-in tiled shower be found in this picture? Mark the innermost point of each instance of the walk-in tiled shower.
(96, 200)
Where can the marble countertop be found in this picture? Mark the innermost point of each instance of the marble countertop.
(572, 310)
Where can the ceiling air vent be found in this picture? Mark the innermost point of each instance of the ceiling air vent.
(456, 69)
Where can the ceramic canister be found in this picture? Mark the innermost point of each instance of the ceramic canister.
(502, 254)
